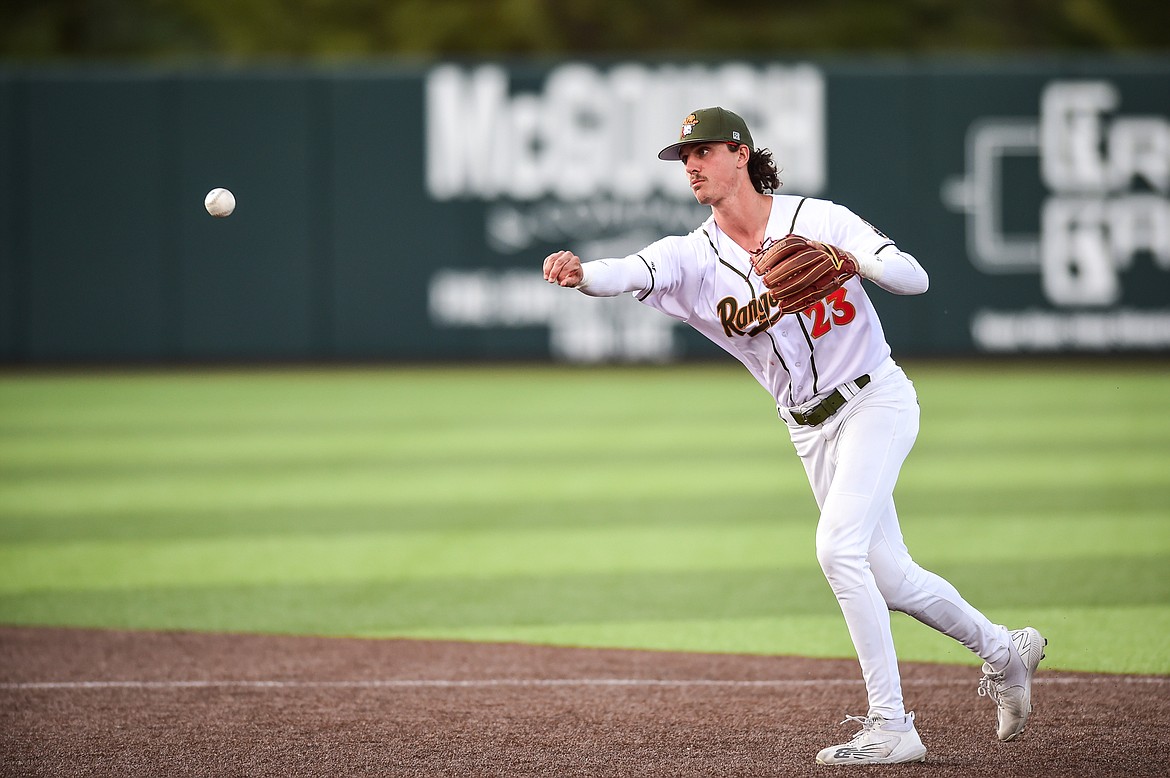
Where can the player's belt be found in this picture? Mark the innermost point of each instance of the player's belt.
(828, 406)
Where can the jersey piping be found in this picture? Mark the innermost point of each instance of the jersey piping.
(649, 267)
(812, 354)
(792, 226)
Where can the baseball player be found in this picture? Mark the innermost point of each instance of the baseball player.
(851, 412)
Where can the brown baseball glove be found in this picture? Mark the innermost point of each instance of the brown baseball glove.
(799, 272)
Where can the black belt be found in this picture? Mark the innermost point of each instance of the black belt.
(826, 407)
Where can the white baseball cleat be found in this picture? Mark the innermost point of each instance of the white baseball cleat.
(875, 744)
(1011, 689)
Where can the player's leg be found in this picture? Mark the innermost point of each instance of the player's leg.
(1010, 658)
(868, 447)
(928, 597)
(864, 452)
(841, 547)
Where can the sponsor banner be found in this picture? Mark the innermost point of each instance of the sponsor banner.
(403, 213)
(1102, 219)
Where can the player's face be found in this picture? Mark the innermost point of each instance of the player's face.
(713, 170)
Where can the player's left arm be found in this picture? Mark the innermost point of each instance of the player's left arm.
(878, 258)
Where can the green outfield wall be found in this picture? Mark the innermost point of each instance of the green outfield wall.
(402, 213)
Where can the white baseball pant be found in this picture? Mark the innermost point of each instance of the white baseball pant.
(852, 461)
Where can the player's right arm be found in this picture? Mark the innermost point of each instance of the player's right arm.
(600, 278)
(563, 268)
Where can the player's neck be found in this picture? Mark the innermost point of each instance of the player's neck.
(745, 219)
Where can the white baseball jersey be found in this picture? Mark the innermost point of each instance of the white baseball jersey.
(706, 280)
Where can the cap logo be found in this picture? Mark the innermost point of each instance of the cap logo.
(688, 126)
(735, 134)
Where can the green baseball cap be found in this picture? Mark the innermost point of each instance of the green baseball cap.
(708, 125)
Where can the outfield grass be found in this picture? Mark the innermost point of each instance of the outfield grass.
(638, 507)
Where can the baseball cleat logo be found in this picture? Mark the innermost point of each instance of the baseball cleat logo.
(867, 752)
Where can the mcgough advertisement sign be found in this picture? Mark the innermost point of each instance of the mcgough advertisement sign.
(570, 160)
(1039, 202)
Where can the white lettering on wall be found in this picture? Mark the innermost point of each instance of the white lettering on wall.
(1109, 181)
(592, 133)
(581, 329)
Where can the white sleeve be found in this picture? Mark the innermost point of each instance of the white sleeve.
(611, 277)
(893, 270)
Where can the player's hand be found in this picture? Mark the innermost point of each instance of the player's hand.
(563, 268)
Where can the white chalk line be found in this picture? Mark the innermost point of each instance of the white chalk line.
(486, 683)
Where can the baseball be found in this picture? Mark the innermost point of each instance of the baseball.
(220, 202)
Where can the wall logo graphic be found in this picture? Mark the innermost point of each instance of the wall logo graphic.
(573, 163)
(1106, 208)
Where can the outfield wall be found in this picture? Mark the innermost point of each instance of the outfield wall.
(402, 213)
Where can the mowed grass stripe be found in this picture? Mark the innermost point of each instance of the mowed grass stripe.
(489, 480)
(566, 597)
(968, 512)
(382, 516)
(401, 556)
(1140, 481)
(485, 553)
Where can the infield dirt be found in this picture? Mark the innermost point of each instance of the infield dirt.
(77, 702)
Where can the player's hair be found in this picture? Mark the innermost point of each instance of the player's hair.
(762, 171)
